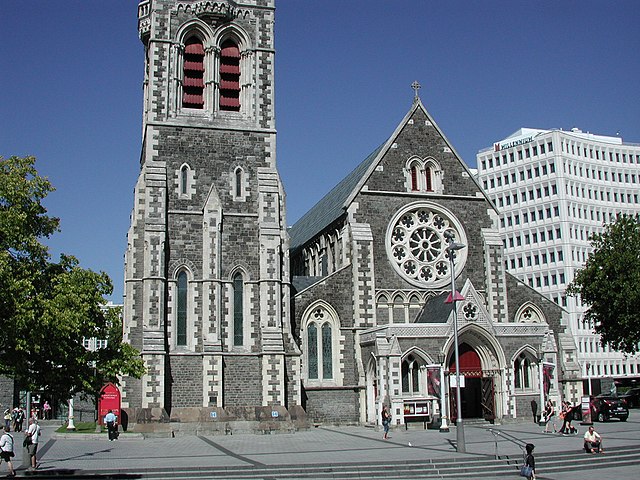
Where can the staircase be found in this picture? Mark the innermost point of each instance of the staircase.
(474, 467)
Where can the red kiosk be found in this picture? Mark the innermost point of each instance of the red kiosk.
(109, 400)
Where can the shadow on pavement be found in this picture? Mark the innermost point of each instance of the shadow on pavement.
(77, 474)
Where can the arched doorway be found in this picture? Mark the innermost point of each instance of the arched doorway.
(477, 395)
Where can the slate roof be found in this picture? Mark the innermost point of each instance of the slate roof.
(435, 310)
(331, 207)
(300, 283)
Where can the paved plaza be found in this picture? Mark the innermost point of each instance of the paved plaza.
(93, 454)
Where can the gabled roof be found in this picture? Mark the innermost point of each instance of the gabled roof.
(334, 204)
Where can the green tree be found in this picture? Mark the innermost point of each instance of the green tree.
(609, 284)
(48, 309)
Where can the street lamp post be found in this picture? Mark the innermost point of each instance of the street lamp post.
(451, 249)
(444, 426)
(71, 425)
(541, 376)
(589, 375)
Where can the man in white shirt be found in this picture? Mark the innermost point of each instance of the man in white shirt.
(33, 432)
(6, 450)
(592, 441)
(111, 421)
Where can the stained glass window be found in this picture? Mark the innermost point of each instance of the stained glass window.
(312, 341)
(181, 327)
(327, 359)
(238, 310)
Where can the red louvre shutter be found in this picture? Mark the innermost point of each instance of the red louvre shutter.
(230, 76)
(193, 74)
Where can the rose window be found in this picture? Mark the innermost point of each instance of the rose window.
(417, 242)
(470, 311)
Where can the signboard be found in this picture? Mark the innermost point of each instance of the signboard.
(109, 400)
(586, 410)
(511, 143)
(453, 383)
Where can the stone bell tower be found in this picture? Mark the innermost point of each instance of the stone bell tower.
(207, 297)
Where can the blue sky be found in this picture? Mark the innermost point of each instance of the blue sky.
(71, 85)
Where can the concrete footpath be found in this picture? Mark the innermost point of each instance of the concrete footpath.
(93, 453)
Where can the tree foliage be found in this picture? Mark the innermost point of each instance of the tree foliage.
(48, 309)
(609, 284)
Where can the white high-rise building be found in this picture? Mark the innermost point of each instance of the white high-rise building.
(554, 189)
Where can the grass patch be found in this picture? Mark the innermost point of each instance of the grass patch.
(81, 427)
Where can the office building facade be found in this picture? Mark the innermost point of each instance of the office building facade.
(554, 189)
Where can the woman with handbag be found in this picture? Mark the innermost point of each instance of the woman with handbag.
(528, 470)
(6, 450)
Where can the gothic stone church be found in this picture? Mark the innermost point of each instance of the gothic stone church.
(242, 321)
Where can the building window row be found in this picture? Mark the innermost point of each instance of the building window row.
(323, 257)
(532, 194)
(532, 238)
(532, 215)
(598, 154)
(583, 171)
(530, 151)
(580, 191)
(521, 175)
(541, 258)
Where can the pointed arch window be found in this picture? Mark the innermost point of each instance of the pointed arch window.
(238, 310)
(321, 334)
(524, 372)
(312, 342)
(327, 354)
(428, 176)
(414, 178)
(229, 76)
(238, 182)
(184, 180)
(193, 74)
(412, 381)
(181, 317)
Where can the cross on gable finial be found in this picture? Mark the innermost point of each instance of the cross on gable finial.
(416, 86)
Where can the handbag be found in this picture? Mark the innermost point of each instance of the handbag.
(27, 441)
(526, 471)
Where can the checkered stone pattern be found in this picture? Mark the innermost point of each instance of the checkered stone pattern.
(212, 381)
(153, 382)
(273, 368)
(364, 287)
(209, 232)
(494, 268)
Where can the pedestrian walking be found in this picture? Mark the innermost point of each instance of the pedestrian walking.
(7, 418)
(32, 436)
(386, 420)
(20, 415)
(6, 450)
(549, 416)
(111, 421)
(528, 470)
(47, 410)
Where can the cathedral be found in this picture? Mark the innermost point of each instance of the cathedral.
(244, 323)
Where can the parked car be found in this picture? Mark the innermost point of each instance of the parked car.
(604, 407)
(632, 397)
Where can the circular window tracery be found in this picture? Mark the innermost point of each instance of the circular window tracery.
(417, 242)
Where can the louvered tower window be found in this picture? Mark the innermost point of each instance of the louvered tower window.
(193, 75)
(230, 76)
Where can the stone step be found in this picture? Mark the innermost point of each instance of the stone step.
(437, 468)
